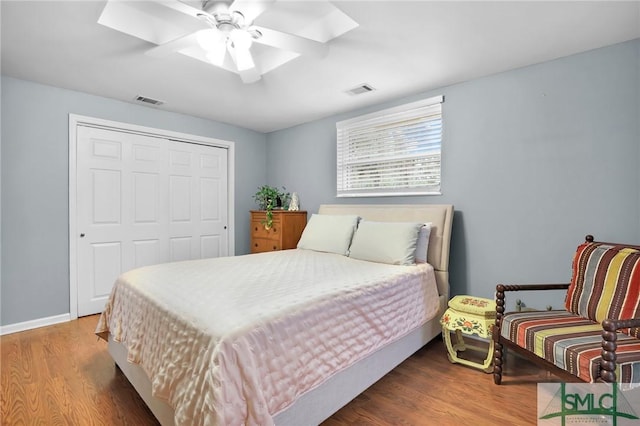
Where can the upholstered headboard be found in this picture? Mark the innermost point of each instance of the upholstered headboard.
(440, 216)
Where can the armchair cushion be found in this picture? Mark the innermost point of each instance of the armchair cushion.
(605, 283)
(571, 342)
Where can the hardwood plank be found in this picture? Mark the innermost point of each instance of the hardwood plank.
(63, 374)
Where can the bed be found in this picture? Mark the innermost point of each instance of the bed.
(290, 353)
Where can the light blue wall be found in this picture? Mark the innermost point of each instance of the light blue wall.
(35, 161)
(533, 160)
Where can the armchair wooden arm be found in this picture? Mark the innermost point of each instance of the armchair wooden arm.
(523, 287)
(609, 346)
(502, 288)
(500, 306)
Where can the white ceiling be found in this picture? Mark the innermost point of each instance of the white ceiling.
(400, 48)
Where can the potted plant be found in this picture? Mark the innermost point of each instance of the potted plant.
(268, 198)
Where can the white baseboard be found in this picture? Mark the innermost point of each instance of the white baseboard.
(36, 323)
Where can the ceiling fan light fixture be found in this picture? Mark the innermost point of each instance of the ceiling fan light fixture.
(240, 39)
(216, 54)
(244, 60)
(208, 39)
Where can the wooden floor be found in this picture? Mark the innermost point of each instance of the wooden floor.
(63, 375)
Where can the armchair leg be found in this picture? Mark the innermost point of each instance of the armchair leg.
(497, 363)
(498, 358)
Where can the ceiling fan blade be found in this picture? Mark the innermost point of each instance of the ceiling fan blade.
(245, 65)
(250, 76)
(251, 9)
(182, 7)
(149, 21)
(175, 45)
(291, 42)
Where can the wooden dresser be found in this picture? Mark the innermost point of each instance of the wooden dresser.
(284, 233)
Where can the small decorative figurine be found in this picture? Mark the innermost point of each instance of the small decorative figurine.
(294, 205)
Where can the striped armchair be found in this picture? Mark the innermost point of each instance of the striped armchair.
(597, 336)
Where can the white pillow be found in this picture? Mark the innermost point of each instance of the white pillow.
(422, 246)
(385, 242)
(329, 233)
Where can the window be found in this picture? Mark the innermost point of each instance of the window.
(391, 152)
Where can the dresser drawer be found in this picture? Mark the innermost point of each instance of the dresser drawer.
(259, 245)
(259, 231)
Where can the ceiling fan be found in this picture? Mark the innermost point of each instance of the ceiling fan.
(229, 32)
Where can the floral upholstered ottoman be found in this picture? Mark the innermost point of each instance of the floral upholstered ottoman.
(473, 316)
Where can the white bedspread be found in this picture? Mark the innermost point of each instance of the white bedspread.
(235, 340)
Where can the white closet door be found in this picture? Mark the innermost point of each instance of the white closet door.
(143, 200)
(197, 201)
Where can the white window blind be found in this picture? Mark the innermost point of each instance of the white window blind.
(391, 152)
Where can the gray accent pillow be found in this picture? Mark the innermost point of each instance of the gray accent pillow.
(422, 246)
